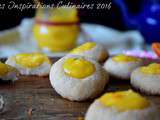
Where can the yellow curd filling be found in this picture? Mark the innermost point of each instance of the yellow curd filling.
(31, 60)
(84, 47)
(125, 58)
(64, 15)
(78, 67)
(59, 14)
(124, 100)
(57, 37)
(153, 68)
(4, 69)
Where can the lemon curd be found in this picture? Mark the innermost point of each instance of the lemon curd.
(4, 69)
(125, 58)
(124, 100)
(57, 30)
(84, 47)
(31, 60)
(78, 67)
(153, 68)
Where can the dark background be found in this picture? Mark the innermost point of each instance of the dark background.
(111, 18)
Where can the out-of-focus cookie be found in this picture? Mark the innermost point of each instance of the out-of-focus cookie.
(92, 50)
(121, 66)
(30, 63)
(8, 72)
(147, 79)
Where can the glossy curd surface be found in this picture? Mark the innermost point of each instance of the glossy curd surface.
(124, 101)
(78, 68)
(125, 58)
(153, 68)
(31, 60)
(85, 47)
(4, 69)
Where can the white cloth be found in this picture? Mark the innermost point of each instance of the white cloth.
(20, 39)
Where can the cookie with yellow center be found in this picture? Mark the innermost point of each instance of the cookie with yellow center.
(123, 105)
(78, 78)
(92, 50)
(147, 79)
(30, 63)
(8, 72)
(121, 66)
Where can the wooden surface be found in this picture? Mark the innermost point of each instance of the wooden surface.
(33, 98)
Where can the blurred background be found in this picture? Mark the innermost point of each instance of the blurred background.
(112, 18)
(140, 16)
